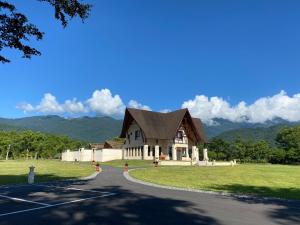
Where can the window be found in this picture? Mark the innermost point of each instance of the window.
(180, 135)
(137, 134)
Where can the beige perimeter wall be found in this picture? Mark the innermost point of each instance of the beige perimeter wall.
(88, 155)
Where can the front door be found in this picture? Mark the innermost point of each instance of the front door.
(179, 154)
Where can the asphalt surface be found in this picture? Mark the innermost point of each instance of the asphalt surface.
(111, 199)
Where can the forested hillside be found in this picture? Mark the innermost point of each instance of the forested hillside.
(99, 129)
(90, 129)
(254, 134)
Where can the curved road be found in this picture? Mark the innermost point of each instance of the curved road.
(139, 204)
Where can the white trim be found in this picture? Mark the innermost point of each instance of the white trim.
(23, 200)
(58, 204)
(71, 188)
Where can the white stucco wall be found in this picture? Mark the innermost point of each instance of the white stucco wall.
(88, 155)
(131, 132)
(109, 154)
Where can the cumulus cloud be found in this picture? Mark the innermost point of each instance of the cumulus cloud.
(73, 106)
(103, 102)
(137, 105)
(25, 107)
(49, 104)
(263, 109)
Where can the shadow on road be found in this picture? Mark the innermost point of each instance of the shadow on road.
(281, 211)
(123, 208)
(130, 209)
(135, 206)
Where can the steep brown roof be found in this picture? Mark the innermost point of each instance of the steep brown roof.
(116, 143)
(96, 145)
(161, 125)
(200, 129)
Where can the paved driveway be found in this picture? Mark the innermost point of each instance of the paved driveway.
(111, 199)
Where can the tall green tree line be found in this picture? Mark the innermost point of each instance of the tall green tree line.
(286, 151)
(34, 145)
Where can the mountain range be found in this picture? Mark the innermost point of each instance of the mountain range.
(90, 129)
(99, 129)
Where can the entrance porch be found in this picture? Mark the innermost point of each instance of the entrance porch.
(174, 153)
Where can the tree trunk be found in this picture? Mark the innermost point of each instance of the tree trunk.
(27, 154)
(7, 154)
(35, 157)
(8, 149)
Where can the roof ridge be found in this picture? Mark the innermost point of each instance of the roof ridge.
(150, 111)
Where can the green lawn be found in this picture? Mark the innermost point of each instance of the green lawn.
(16, 171)
(131, 163)
(265, 180)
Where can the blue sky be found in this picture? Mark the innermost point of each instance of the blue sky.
(161, 54)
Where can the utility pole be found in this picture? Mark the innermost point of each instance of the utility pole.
(8, 149)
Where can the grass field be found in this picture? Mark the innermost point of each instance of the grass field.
(131, 163)
(16, 171)
(265, 180)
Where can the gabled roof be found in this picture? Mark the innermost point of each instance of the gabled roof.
(158, 125)
(200, 129)
(115, 143)
(97, 145)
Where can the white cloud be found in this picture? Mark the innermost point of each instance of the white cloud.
(263, 109)
(137, 105)
(73, 106)
(49, 104)
(103, 102)
(25, 107)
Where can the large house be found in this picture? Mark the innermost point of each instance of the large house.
(161, 136)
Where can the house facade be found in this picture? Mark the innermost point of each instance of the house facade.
(161, 136)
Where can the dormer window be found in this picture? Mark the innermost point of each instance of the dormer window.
(179, 135)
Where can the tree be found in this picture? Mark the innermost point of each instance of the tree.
(218, 149)
(15, 28)
(277, 155)
(288, 139)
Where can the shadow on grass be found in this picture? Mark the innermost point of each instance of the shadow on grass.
(283, 211)
(286, 193)
(22, 178)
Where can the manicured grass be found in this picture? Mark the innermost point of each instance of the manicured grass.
(265, 180)
(16, 171)
(131, 163)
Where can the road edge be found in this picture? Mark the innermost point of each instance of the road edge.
(227, 194)
(90, 177)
